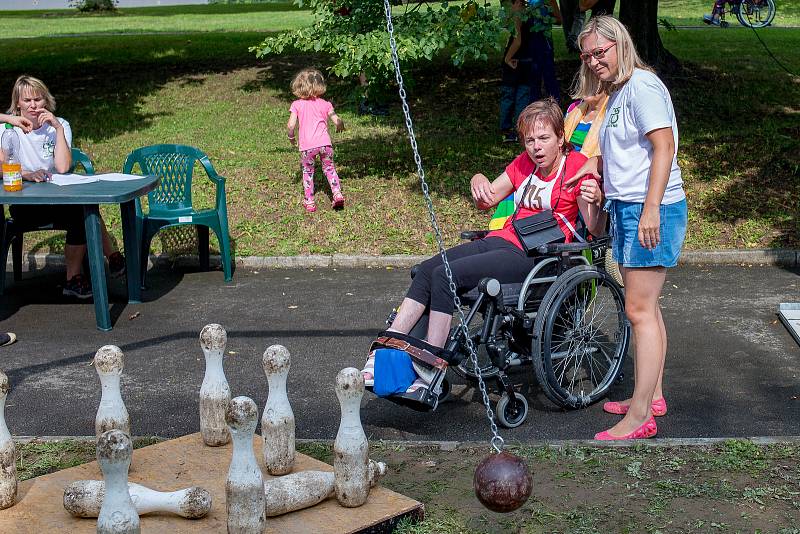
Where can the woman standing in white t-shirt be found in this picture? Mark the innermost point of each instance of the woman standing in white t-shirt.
(45, 148)
(642, 180)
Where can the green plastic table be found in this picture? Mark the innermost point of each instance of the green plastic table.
(90, 196)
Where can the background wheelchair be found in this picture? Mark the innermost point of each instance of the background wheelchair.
(566, 320)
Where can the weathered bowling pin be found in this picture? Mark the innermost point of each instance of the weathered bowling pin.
(215, 394)
(83, 498)
(8, 452)
(307, 488)
(350, 462)
(109, 362)
(117, 513)
(244, 489)
(277, 422)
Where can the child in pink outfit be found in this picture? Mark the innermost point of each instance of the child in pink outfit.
(309, 118)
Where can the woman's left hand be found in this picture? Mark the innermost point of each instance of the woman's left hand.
(591, 192)
(46, 117)
(649, 223)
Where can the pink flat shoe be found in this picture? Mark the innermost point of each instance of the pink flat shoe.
(338, 201)
(310, 205)
(648, 430)
(659, 407)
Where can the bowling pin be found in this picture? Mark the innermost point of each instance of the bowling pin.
(8, 452)
(109, 362)
(277, 422)
(350, 462)
(215, 394)
(83, 498)
(244, 488)
(307, 488)
(117, 513)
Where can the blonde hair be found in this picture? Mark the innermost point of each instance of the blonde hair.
(586, 83)
(308, 83)
(35, 86)
(548, 112)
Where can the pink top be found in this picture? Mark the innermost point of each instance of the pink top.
(312, 117)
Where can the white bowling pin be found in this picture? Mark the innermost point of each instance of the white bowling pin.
(117, 513)
(8, 452)
(244, 488)
(215, 394)
(83, 498)
(109, 362)
(277, 422)
(307, 488)
(350, 461)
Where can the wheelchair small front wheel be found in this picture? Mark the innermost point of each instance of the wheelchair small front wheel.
(511, 415)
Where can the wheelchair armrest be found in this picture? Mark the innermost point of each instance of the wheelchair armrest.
(473, 235)
(558, 248)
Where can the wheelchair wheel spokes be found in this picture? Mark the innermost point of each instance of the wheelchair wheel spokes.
(582, 337)
(466, 369)
(756, 13)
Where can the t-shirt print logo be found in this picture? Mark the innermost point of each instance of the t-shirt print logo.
(613, 119)
(48, 148)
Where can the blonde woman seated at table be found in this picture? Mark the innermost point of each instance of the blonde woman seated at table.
(45, 148)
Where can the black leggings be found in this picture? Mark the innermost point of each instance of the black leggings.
(489, 257)
(67, 217)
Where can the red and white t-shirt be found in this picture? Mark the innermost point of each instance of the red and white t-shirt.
(545, 193)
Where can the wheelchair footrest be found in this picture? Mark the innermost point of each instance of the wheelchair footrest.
(420, 400)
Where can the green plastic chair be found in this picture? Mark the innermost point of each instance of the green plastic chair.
(170, 204)
(12, 233)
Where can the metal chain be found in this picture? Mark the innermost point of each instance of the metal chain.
(497, 441)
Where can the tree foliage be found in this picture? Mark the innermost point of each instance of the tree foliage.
(353, 33)
(94, 5)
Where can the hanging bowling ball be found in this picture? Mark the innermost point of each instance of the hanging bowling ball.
(502, 482)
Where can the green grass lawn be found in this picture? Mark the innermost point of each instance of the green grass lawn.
(690, 12)
(737, 112)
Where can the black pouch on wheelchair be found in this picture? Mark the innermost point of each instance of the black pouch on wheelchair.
(537, 230)
(430, 363)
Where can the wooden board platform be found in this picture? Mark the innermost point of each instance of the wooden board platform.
(183, 462)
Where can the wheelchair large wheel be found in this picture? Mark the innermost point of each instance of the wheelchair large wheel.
(756, 13)
(581, 337)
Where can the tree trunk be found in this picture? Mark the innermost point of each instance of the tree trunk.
(641, 19)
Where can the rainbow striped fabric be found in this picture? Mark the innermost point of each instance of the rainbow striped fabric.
(504, 210)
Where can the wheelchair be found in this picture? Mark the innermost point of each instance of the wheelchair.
(566, 320)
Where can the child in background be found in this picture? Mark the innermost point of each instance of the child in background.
(716, 13)
(309, 116)
(541, 15)
(515, 91)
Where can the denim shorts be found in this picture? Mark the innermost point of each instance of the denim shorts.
(627, 250)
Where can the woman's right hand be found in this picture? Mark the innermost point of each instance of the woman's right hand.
(591, 169)
(36, 176)
(482, 191)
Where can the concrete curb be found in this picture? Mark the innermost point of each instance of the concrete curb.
(453, 445)
(772, 257)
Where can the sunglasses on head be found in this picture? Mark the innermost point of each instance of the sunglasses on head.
(597, 53)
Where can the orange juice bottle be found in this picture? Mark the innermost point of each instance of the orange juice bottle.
(12, 169)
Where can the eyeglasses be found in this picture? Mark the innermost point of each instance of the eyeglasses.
(597, 53)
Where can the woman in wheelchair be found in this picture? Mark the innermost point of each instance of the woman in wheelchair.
(547, 162)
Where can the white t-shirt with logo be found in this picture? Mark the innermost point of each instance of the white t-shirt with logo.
(640, 106)
(37, 147)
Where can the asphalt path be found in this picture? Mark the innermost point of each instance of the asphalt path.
(732, 368)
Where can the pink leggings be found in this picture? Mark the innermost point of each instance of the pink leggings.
(307, 159)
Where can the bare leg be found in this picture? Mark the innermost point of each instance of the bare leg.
(642, 289)
(658, 393)
(407, 316)
(73, 257)
(439, 328)
(108, 245)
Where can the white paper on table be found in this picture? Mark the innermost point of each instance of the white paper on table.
(117, 177)
(72, 179)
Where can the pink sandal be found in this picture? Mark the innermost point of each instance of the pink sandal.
(658, 407)
(310, 205)
(648, 430)
(338, 200)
